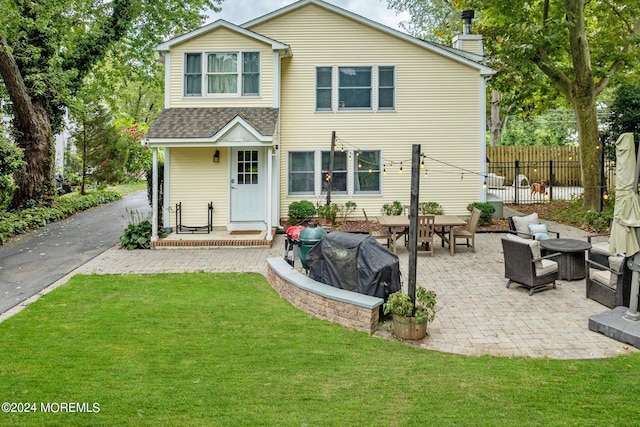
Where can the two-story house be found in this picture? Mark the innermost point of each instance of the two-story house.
(250, 111)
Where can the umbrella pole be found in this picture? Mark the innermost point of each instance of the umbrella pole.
(634, 264)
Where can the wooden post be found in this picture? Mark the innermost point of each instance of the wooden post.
(329, 179)
(413, 221)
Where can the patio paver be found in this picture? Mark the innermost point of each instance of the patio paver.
(477, 315)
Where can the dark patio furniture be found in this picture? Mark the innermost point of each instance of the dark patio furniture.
(572, 261)
(599, 252)
(610, 283)
(524, 265)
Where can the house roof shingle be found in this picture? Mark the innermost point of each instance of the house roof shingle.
(206, 122)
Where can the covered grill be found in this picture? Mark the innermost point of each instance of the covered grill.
(355, 262)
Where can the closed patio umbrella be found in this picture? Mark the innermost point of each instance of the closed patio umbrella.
(626, 213)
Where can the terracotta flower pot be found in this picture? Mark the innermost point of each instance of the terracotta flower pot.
(408, 328)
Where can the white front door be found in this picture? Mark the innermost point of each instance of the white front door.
(248, 190)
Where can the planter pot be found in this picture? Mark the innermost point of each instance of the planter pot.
(408, 328)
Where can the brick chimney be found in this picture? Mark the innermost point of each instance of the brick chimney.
(467, 40)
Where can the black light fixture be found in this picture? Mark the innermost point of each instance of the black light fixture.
(216, 156)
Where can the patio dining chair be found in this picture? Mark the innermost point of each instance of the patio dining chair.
(426, 230)
(469, 233)
(384, 234)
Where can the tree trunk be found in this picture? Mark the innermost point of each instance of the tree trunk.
(587, 122)
(34, 183)
(496, 122)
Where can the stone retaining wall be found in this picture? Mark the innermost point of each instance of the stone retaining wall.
(349, 309)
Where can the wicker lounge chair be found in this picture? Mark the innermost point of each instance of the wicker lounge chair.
(524, 265)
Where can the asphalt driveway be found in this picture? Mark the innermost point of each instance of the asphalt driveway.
(33, 261)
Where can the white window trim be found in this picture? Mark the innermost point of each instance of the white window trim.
(375, 89)
(395, 89)
(239, 72)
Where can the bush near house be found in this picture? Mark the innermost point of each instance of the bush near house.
(301, 211)
(487, 210)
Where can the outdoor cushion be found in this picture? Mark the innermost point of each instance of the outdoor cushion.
(601, 248)
(548, 266)
(539, 231)
(615, 263)
(534, 246)
(521, 223)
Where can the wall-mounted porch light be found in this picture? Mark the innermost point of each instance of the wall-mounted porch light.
(216, 156)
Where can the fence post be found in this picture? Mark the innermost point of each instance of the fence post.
(551, 180)
(516, 182)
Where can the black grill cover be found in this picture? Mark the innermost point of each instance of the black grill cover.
(356, 262)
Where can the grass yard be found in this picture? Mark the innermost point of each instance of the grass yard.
(225, 350)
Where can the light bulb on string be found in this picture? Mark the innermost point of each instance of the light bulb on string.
(422, 164)
(400, 171)
(605, 196)
(484, 185)
(370, 170)
(384, 170)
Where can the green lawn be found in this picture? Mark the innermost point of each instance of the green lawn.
(224, 349)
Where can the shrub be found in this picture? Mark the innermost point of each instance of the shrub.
(394, 208)
(487, 210)
(430, 208)
(346, 209)
(137, 236)
(328, 212)
(301, 211)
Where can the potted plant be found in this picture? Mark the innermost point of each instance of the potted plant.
(409, 321)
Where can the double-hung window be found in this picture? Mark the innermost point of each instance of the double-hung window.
(225, 74)
(324, 86)
(339, 176)
(193, 74)
(386, 88)
(250, 73)
(367, 172)
(301, 172)
(354, 88)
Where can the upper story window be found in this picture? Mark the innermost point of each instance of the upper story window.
(323, 88)
(354, 88)
(386, 88)
(371, 88)
(225, 73)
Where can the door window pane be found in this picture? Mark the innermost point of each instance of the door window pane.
(247, 167)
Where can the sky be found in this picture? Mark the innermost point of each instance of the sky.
(240, 11)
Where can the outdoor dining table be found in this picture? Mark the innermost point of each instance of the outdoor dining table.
(443, 225)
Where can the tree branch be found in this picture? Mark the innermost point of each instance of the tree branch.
(13, 82)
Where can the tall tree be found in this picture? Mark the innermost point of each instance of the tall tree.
(47, 48)
(579, 45)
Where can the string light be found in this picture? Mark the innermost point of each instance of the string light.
(400, 171)
(605, 196)
(384, 170)
(484, 186)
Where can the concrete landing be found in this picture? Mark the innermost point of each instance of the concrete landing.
(613, 325)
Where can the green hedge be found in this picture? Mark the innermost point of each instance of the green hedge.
(15, 223)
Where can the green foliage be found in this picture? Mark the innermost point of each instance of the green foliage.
(394, 208)
(139, 158)
(573, 213)
(345, 210)
(624, 116)
(400, 304)
(487, 210)
(138, 233)
(15, 223)
(301, 211)
(328, 212)
(10, 161)
(430, 208)
(557, 127)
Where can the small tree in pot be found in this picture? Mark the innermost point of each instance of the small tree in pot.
(409, 321)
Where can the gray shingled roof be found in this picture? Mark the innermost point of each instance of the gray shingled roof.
(206, 122)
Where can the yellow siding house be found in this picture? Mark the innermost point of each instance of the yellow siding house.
(251, 111)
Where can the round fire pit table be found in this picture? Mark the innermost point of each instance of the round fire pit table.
(571, 263)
